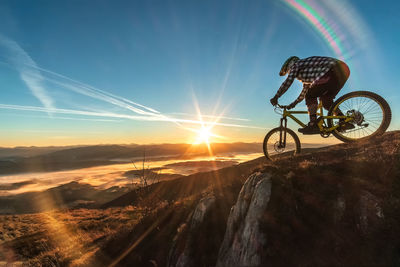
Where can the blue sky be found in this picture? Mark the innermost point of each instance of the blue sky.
(171, 57)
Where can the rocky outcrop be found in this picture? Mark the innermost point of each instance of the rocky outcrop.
(183, 250)
(244, 242)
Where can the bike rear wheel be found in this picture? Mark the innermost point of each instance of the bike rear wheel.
(370, 113)
(274, 147)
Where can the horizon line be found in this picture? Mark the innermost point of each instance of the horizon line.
(149, 144)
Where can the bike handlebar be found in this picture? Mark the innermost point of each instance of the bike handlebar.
(281, 106)
(278, 109)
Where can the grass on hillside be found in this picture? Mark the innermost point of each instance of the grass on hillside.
(60, 238)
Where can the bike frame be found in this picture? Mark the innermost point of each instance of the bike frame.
(325, 131)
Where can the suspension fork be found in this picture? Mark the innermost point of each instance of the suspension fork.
(282, 136)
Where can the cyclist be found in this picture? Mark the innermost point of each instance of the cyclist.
(322, 77)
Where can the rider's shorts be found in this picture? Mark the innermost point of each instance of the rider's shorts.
(329, 85)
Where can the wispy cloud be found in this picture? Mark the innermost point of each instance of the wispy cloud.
(28, 70)
(123, 116)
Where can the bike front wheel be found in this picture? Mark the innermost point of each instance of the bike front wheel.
(370, 114)
(274, 145)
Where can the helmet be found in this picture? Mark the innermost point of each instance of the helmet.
(286, 66)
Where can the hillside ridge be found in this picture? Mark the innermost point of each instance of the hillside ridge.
(338, 205)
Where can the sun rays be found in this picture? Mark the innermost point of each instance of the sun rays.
(206, 133)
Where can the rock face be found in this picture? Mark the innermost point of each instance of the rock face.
(243, 241)
(183, 250)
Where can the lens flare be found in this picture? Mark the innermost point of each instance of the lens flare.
(320, 24)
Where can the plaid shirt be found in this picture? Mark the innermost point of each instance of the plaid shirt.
(308, 71)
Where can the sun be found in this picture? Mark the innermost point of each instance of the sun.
(203, 135)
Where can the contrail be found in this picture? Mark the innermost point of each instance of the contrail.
(89, 87)
(72, 112)
(27, 69)
(210, 116)
(96, 93)
(122, 116)
(90, 91)
(146, 113)
(101, 95)
(67, 118)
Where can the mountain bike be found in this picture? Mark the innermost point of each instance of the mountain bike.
(368, 112)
